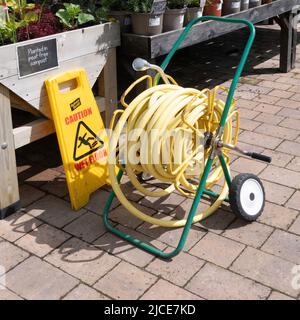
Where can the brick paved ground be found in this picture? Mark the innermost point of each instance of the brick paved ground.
(51, 252)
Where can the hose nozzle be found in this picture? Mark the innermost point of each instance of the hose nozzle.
(140, 64)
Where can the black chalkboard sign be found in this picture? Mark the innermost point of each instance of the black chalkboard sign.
(158, 6)
(37, 57)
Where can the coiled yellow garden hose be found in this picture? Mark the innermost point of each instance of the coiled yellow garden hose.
(158, 110)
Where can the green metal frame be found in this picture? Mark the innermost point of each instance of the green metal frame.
(201, 188)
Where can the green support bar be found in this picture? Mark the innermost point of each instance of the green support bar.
(201, 188)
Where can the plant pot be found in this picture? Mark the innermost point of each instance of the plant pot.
(147, 24)
(173, 19)
(231, 6)
(124, 19)
(254, 3)
(194, 13)
(244, 5)
(213, 8)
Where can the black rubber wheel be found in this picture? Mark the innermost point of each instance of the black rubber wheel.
(247, 196)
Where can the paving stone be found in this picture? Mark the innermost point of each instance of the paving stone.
(296, 97)
(247, 104)
(42, 177)
(291, 113)
(245, 95)
(54, 211)
(215, 283)
(267, 269)
(275, 85)
(277, 216)
(266, 99)
(288, 103)
(35, 279)
(163, 290)
(260, 140)
(217, 222)
(42, 240)
(125, 282)
(178, 270)
(296, 226)
(126, 251)
(277, 131)
(295, 89)
(260, 89)
(290, 147)
(290, 123)
(10, 256)
(16, 225)
(280, 93)
(171, 236)
(288, 80)
(294, 201)
(98, 200)
(83, 292)
(29, 194)
(279, 159)
(282, 176)
(276, 193)
(87, 227)
(163, 204)
(279, 296)
(57, 187)
(217, 249)
(267, 108)
(247, 124)
(284, 245)
(81, 260)
(6, 294)
(248, 114)
(269, 118)
(253, 234)
(269, 77)
(294, 164)
(243, 165)
(125, 218)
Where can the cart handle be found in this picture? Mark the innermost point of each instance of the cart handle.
(242, 61)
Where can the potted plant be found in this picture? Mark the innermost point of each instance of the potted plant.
(254, 3)
(143, 22)
(244, 5)
(213, 8)
(231, 6)
(194, 10)
(118, 10)
(174, 15)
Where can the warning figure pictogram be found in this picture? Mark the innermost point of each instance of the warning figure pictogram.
(86, 142)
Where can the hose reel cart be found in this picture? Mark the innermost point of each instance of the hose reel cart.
(177, 135)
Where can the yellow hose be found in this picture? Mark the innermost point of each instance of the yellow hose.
(163, 127)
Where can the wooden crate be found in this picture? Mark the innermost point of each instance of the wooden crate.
(92, 48)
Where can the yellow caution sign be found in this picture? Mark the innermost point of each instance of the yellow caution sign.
(81, 135)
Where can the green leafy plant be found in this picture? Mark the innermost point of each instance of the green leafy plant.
(19, 16)
(72, 16)
(140, 6)
(117, 5)
(178, 4)
(193, 3)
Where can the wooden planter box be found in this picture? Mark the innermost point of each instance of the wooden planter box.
(92, 48)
